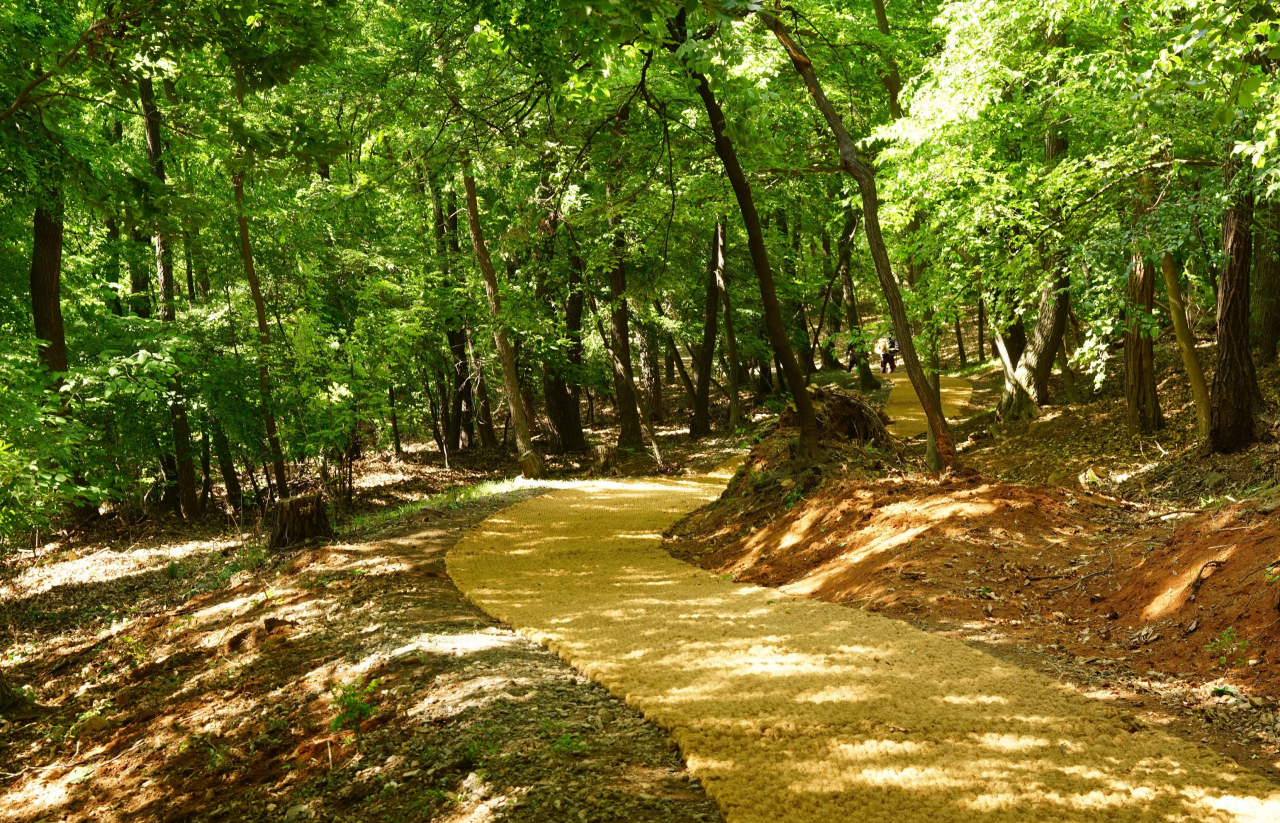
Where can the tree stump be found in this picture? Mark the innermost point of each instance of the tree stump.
(532, 467)
(298, 519)
(606, 459)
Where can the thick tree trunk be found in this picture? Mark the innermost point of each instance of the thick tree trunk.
(298, 519)
(264, 337)
(730, 339)
(1186, 343)
(701, 424)
(852, 164)
(139, 277)
(530, 463)
(46, 287)
(188, 495)
(1139, 352)
(807, 446)
(1029, 387)
(1231, 423)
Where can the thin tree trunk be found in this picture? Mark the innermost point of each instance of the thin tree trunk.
(852, 164)
(530, 463)
(264, 337)
(730, 339)
(188, 496)
(1231, 421)
(1186, 343)
(701, 424)
(960, 343)
(807, 445)
(1265, 284)
(395, 423)
(488, 437)
(139, 279)
(226, 464)
(982, 329)
(1139, 350)
(844, 271)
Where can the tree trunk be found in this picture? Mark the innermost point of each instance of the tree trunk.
(1139, 354)
(395, 423)
(46, 286)
(139, 278)
(530, 463)
(807, 447)
(960, 343)
(701, 424)
(844, 272)
(1186, 344)
(1231, 422)
(206, 471)
(629, 434)
(226, 464)
(730, 339)
(982, 329)
(1036, 363)
(188, 496)
(488, 438)
(1265, 285)
(264, 337)
(852, 164)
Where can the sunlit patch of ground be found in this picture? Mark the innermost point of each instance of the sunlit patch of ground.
(778, 699)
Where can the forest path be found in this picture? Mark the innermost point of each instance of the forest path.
(904, 409)
(792, 709)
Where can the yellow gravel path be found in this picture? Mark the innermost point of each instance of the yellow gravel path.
(905, 411)
(791, 709)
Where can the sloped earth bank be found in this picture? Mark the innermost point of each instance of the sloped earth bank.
(789, 708)
(220, 707)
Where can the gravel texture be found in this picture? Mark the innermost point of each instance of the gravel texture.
(790, 709)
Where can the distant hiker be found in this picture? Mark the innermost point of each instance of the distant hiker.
(885, 350)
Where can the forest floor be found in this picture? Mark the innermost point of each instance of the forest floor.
(190, 675)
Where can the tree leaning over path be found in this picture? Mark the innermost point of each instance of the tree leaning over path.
(852, 164)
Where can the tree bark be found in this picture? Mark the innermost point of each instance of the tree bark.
(188, 494)
(1139, 352)
(982, 329)
(701, 424)
(844, 271)
(1029, 388)
(1231, 423)
(264, 337)
(226, 464)
(807, 446)
(488, 437)
(1186, 344)
(852, 164)
(730, 339)
(960, 343)
(1265, 284)
(530, 463)
(46, 286)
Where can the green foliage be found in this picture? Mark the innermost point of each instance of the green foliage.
(354, 707)
(1227, 647)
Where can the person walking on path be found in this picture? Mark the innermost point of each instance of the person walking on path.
(884, 348)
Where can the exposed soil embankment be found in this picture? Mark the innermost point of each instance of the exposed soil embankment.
(1102, 591)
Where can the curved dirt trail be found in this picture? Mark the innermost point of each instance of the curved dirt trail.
(792, 709)
(905, 411)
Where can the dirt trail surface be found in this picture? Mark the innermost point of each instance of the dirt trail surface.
(904, 409)
(791, 709)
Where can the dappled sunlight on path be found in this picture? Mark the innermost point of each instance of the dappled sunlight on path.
(791, 709)
(904, 409)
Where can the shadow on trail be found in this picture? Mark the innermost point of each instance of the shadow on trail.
(793, 709)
